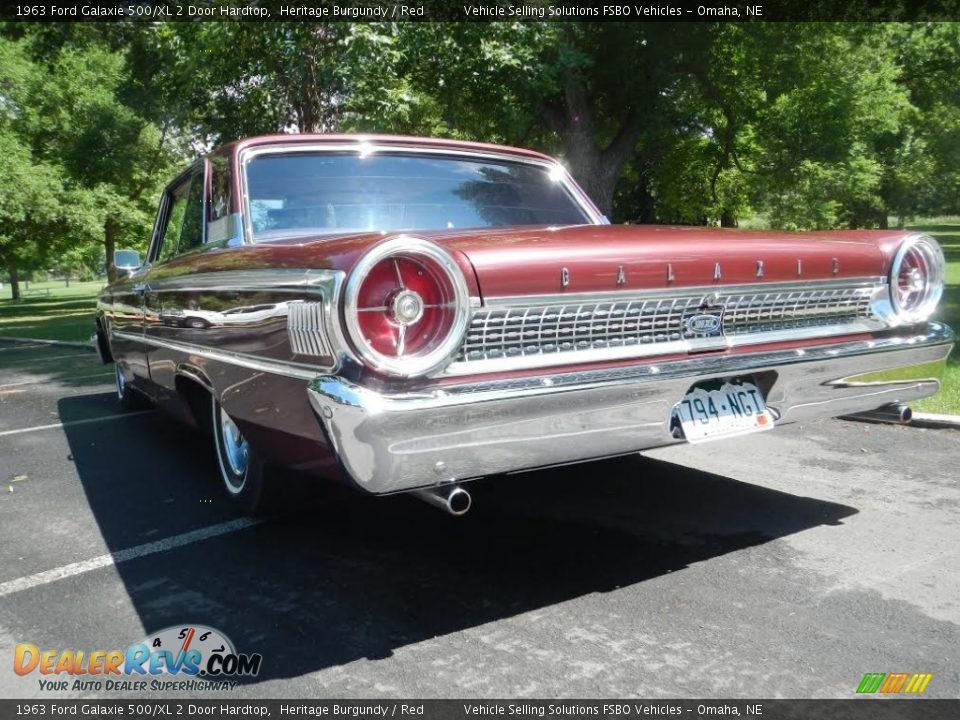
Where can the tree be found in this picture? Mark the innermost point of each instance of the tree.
(554, 86)
(115, 159)
(921, 163)
(804, 125)
(547, 85)
(30, 210)
(222, 81)
(31, 190)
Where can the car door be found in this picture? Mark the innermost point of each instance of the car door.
(123, 310)
(122, 321)
(182, 231)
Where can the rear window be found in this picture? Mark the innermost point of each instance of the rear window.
(315, 193)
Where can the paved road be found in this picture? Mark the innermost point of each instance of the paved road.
(786, 566)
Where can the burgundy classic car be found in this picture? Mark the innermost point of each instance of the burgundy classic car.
(409, 314)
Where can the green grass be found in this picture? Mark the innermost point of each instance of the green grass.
(50, 311)
(947, 232)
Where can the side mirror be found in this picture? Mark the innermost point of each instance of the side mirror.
(127, 262)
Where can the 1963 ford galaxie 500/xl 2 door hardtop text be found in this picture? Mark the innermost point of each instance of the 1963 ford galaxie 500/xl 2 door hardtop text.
(408, 314)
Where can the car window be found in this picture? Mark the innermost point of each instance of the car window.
(170, 238)
(306, 192)
(220, 222)
(183, 227)
(191, 236)
(219, 187)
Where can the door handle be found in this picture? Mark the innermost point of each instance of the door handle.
(141, 288)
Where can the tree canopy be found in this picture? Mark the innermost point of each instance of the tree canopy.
(804, 124)
(85, 167)
(783, 124)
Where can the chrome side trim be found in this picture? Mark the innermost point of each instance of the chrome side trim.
(276, 367)
(272, 279)
(319, 287)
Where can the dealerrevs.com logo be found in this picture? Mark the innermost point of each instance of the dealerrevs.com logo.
(195, 656)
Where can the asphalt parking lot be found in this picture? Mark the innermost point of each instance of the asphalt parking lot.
(781, 566)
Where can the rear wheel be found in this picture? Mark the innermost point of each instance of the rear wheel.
(241, 468)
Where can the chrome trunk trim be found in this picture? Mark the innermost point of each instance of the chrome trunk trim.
(701, 290)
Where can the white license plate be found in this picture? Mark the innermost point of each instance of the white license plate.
(734, 408)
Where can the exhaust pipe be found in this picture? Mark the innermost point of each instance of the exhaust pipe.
(455, 500)
(893, 413)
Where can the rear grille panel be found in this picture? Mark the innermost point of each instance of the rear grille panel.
(799, 309)
(567, 328)
(552, 328)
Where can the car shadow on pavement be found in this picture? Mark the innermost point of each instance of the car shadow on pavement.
(351, 577)
(23, 365)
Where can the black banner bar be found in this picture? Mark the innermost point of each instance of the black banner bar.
(480, 11)
(857, 709)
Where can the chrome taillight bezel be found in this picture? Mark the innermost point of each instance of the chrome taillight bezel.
(929, 298)
(414, 365)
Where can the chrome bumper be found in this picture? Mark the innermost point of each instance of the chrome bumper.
(392, 443)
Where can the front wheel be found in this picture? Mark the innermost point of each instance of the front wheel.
(243, 472)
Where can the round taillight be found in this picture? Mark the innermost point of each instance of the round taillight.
(406, 307)
(916, 279)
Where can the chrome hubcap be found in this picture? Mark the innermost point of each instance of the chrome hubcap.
(236, 451)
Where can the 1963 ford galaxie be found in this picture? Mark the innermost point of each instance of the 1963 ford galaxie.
(409, 314)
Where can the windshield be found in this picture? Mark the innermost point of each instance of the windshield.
(323, 192)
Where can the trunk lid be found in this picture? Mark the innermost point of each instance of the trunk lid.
(603, 258)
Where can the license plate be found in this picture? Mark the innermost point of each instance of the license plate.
(722, 409)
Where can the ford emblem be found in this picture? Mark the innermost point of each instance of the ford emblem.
(703, 324)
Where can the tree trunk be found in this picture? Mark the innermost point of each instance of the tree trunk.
(110, 246)
(587, 168)
(14, 282)
(596, 169)
(728, 219)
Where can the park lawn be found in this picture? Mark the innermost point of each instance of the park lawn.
(947, 233)
(67, 313)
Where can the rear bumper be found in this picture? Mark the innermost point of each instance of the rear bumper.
(392, 443)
